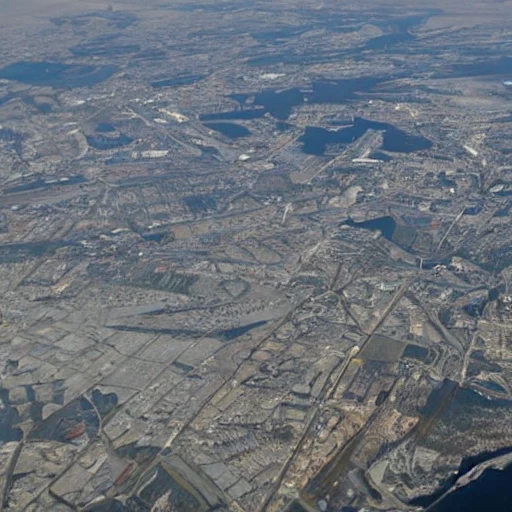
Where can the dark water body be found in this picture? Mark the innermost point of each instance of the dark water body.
(200, 204)
(44, 108)
(397, 38)
(231, 130)
(503, 212)
(9, 418)
(494, 293)
(386, 225)
(503, 193)
(487, 67)
(104, 128)
(506, 119)
(473, 210)
(255, 113)
(315, 140)
(478, 363)
(154, 237)
(31, 395)
(485, 493)
(104, 402)
(491, 386)
(280, 104)
(102, 142)
(379, 155)
(416, 352)
(8, 97)
(491, 492)
(177, 81)
(51, 74)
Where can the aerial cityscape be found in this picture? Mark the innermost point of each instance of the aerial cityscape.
(255, 256)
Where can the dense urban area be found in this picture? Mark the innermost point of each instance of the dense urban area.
(254, 256)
